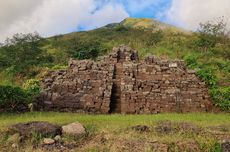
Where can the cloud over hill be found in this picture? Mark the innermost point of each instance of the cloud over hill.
(189, 13)
(51, 17)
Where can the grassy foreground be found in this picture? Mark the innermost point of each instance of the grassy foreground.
(114, 133)
(110, 122)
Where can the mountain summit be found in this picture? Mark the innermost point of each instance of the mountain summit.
(146, 24)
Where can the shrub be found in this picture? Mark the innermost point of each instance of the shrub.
(12, 97)
(206, 41)
(22, 50)
(121, 28)
(155, 38)
(221, 97)
(208, 76)
(223, 65)
(191, 61)
(90, 49)
(32, 88)
(212, 33)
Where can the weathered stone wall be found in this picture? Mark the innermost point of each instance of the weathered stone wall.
(154, 86)
(85, 85)
(121, 83)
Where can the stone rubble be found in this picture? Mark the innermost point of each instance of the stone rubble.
(121, 83)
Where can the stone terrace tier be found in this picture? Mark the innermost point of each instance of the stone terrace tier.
(121, 83)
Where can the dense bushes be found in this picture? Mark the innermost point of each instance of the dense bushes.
(16, 99)
(23, 50)
(205, 73)
(211, 33)
(191, 61)
(85, 49)
(32, 88)
(208, 76)
(221, 97)
(13, 98)
(20, 55)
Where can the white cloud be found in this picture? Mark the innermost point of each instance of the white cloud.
(11, 10)
(189, 13)
(109, 13)
(50, 17)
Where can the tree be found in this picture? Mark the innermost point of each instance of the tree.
(89, 49)
(155, 38)
(211, 33)
(22, 50)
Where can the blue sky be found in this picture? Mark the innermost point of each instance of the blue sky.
(136, 9)
(51, 17)
(148, 10)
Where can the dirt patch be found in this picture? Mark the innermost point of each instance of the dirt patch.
(187, 127)
(221, 128)
(191, 146)
(123, 145)
(168, 127)
(44, 129)
(225, 145)
(57, 147)
(219, 132)
(165, 127)
(141, 128)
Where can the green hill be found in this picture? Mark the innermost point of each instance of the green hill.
(211, 61)
(150, 24)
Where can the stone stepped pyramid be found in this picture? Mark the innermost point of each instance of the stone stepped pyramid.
(121, 83)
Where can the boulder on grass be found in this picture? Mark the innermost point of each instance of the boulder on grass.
(48, 141)
(74, 129)
(44, 129)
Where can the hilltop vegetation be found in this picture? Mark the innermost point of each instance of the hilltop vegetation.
(26, 57)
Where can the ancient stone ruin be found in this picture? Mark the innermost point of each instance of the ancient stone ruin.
(121, 83)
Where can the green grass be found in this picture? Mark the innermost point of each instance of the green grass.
(113, 132)
(116, 120)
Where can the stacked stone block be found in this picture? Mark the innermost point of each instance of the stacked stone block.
(155, 86)
(84, 86)
(121, 83)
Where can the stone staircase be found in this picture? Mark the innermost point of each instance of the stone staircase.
(115, 105)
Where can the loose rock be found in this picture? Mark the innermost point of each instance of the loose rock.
(14, 145)
(74, 129)
(57, 138)
(48, 141)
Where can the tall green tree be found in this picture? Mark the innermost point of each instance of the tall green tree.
(211, 33)
(22, 50)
